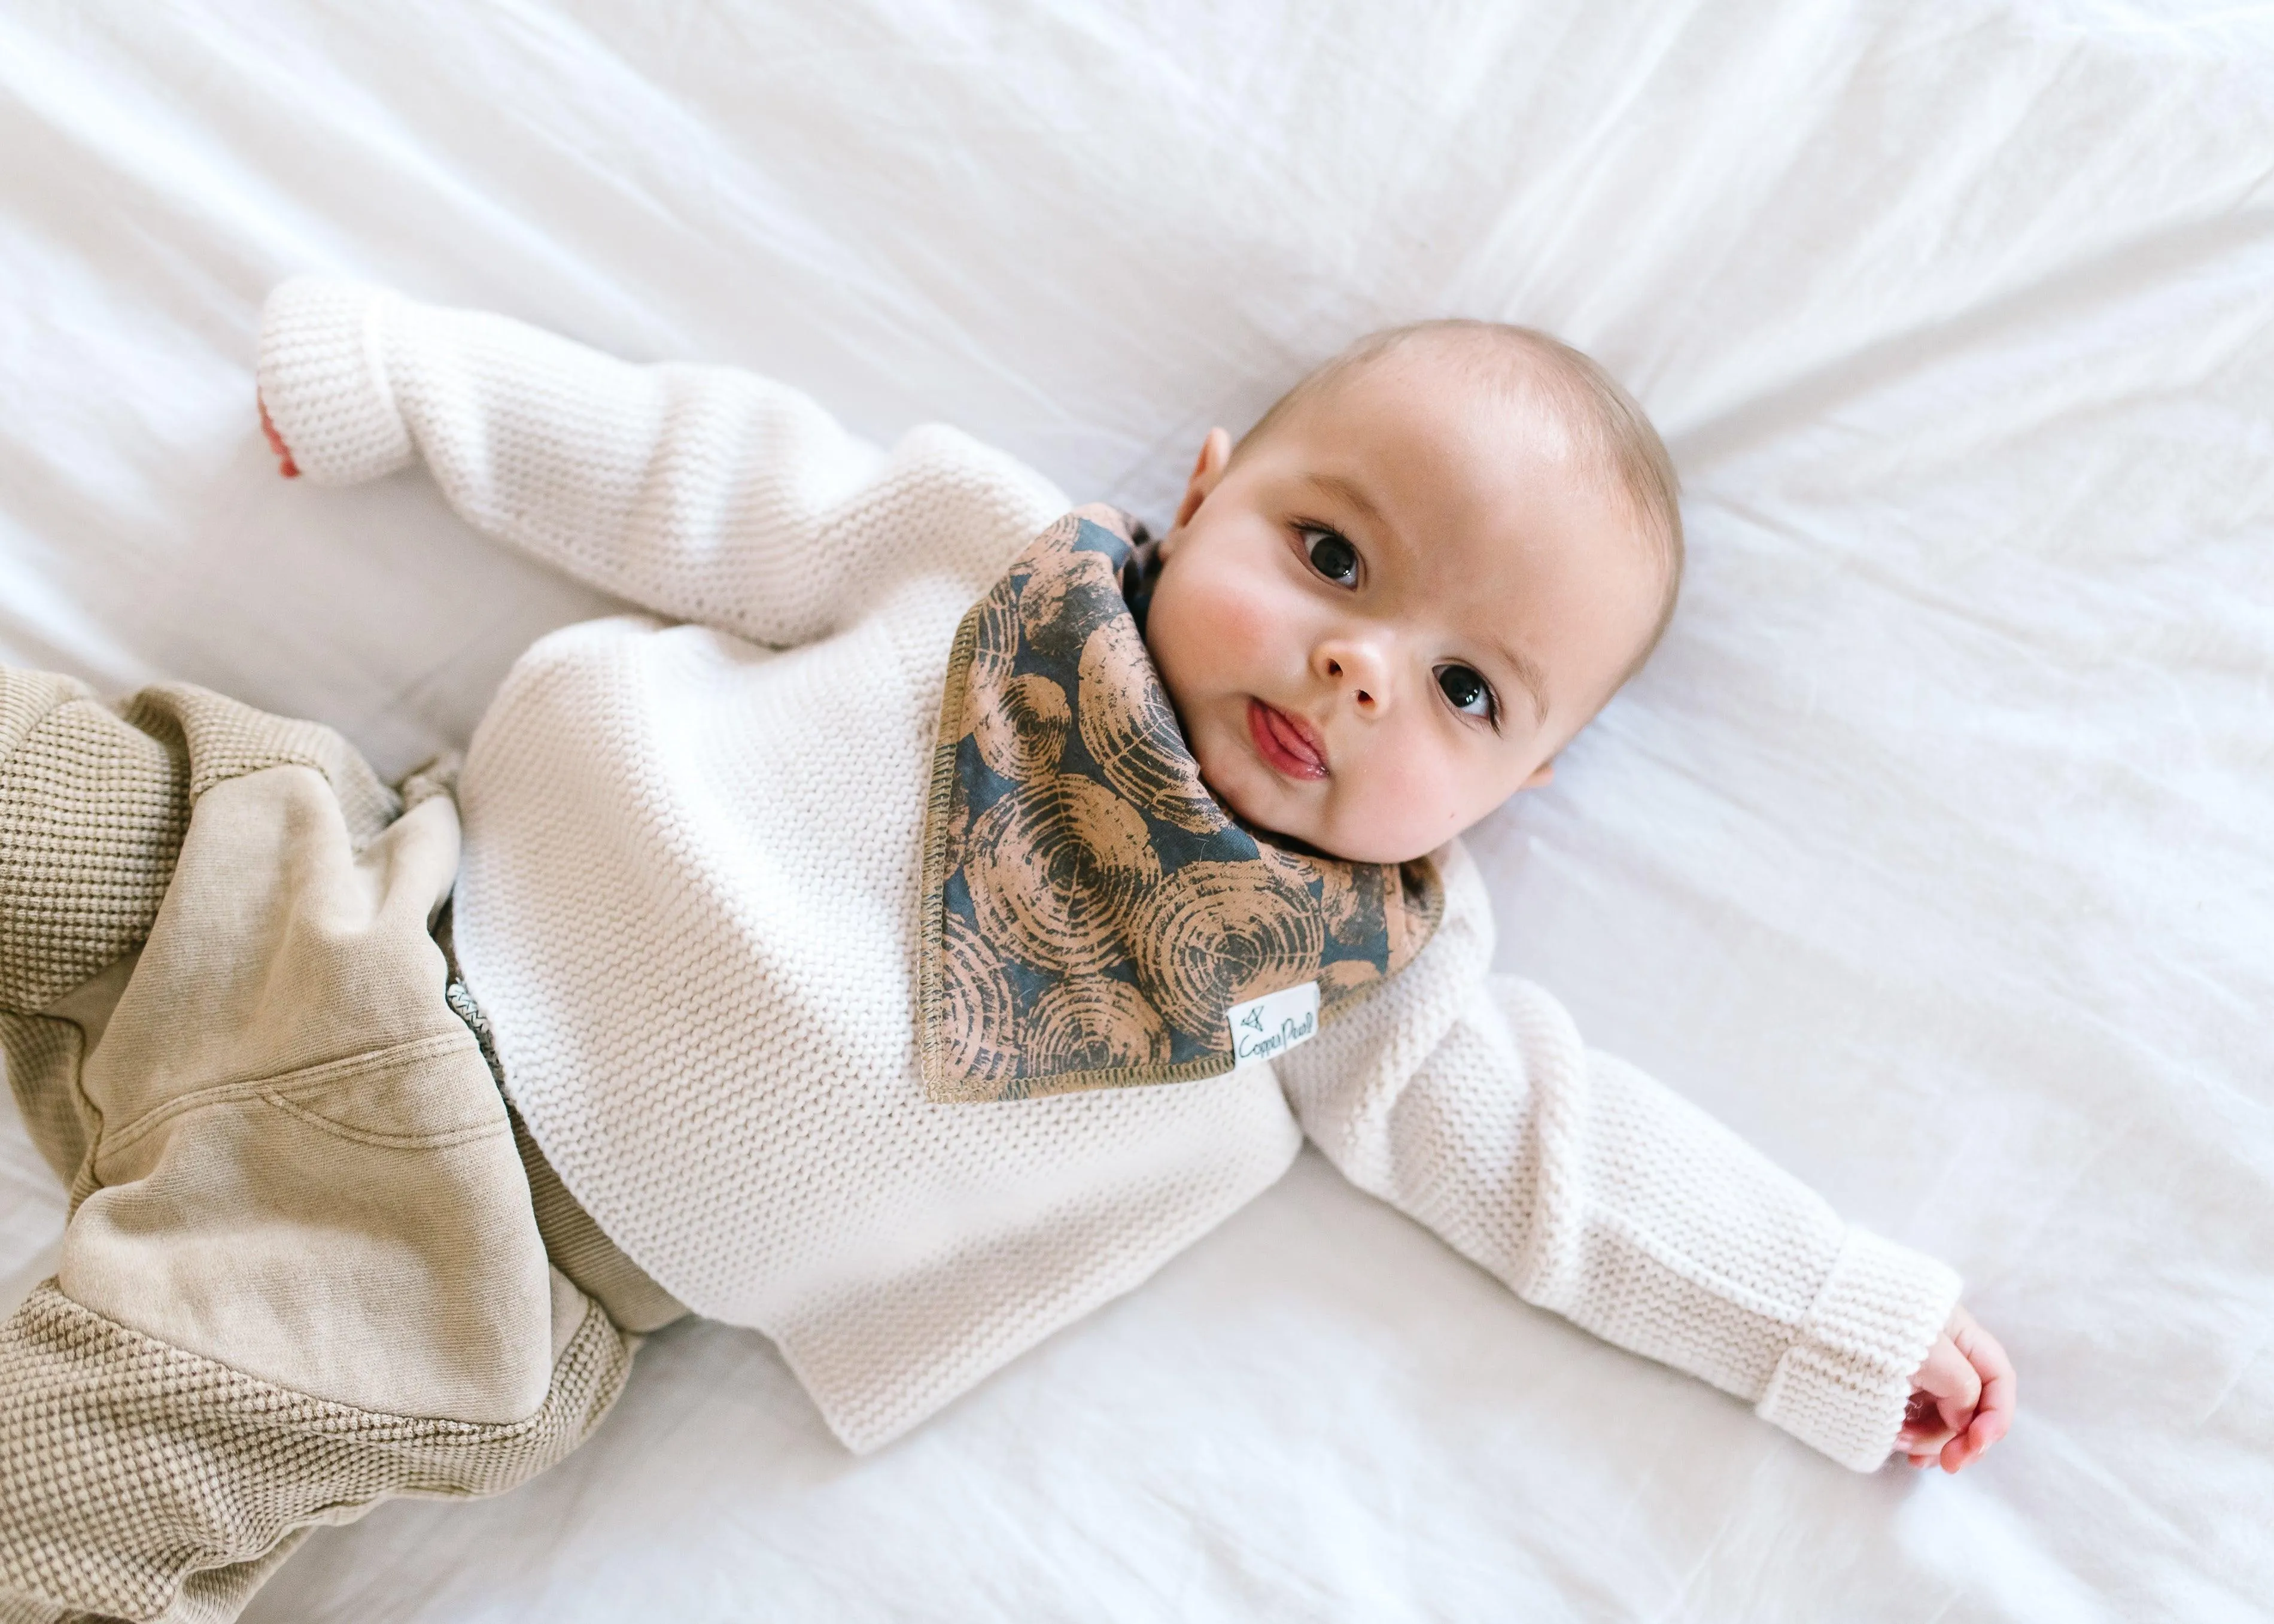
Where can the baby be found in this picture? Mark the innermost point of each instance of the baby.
(934, 912)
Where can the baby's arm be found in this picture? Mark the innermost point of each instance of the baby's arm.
(703, 493)
(1469, 1102)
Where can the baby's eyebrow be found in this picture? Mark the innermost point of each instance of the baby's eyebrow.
(1528, 673)
(1350, 494)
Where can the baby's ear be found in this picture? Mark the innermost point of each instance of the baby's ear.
(1541, 777)
(1207, 468)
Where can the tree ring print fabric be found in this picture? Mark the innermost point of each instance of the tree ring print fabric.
(1091, 912)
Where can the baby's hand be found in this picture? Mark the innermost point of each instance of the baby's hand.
(1962, 1398)
(285, 465)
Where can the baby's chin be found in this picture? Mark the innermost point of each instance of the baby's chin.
(1261, 813)
(1282, 817)
(1262, 803)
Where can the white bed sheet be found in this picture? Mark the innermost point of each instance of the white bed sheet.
(1933, 853)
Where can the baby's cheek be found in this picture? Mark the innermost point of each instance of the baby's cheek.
(1213, 638)
(1233, 621)
(1396, 808)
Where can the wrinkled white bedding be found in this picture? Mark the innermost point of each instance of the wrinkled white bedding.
(1935, 853)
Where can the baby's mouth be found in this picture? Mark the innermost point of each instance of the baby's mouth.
(1288, 745)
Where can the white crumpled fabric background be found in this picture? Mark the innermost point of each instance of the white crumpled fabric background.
(1935, 853)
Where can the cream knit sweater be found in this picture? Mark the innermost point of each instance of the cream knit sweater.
(688, 904)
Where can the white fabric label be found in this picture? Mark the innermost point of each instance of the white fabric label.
(1264, 1028)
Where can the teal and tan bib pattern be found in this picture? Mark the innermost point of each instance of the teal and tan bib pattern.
(1091, 913)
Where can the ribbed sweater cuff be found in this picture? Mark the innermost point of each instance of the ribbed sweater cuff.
(1841, 1387)
(323, 378)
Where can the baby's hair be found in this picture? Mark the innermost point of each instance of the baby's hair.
(1612, 427)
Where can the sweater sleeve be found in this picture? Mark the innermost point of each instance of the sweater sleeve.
(701, 493)
(1467, 1101)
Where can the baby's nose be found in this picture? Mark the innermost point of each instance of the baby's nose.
(1360, 672)
(1363, 696)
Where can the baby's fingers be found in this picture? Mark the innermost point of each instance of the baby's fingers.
(285, 465)
(1993, 1416)
(1944, 1391)
(1925, 1430)
(1961, 1397)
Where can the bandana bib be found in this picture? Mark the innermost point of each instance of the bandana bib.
(1092, 917)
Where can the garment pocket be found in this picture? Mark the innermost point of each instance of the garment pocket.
(360, 1230)
(427, 1093)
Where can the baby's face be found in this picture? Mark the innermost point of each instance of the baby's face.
(1389, 614)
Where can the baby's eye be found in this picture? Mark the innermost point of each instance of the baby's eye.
(1330, 555)
(1470, 693)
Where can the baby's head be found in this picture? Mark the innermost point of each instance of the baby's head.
(1410, 585)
